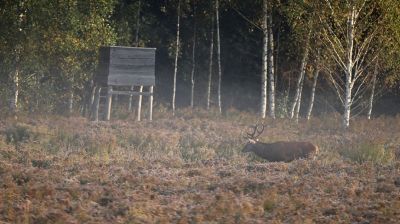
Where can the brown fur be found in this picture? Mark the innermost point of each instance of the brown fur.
(282, 151)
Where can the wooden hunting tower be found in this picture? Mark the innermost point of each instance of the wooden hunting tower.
(125, 66)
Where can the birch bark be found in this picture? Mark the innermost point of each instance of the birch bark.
(193, 59)
(349, 67)
(264, 74)
(312, 97)
(210, 66)
(176, 58)
(298, 104)
(300, 79)
(271, 68)
(15, 94)
(371, 98)
(218, 57)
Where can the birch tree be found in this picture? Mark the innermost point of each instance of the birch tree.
(264, 75)
(302, 19)
(193, 57)
(312, 96)
(176, 56)
(218, 56)
(350, 28)
(371, 98)
(271, 69)
(295, 108)
(20, 16)
(210, 65)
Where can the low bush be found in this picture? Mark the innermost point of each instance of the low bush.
(17, 134)
(368, 152)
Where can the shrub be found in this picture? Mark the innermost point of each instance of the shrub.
(370, 152)
(17, 135)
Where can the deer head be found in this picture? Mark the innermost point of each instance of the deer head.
(252, 136)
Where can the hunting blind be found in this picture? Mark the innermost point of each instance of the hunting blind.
(125, 67)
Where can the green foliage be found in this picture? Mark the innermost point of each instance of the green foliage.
(69, 33)
(17, 135)
(54, 43)
(368, 152)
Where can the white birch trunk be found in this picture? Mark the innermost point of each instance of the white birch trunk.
(349, 67)
(96, 104)
(210, 63)
(92, 95)
(218, 57)
(287, 95)
(312, 97)
(71, 101)
(276, 58)
(371, 98)
(15, 90)
(193, 59)
(297, 96)
(271, 68)
(264, 62)
(176, 58)
(298, 103)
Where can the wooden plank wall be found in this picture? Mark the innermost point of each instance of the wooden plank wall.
(126, 66)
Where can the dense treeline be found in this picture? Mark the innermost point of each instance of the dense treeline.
(276, 55)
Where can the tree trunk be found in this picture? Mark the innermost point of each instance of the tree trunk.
(210, 67)
(371, 98)
(137, 45)
(15, 90)
(287, 95)
(297, 96)
(264, 62)
(312, 97)
(176, 58)
(71, 101)
(218, 57)
(349, 68)
(193, 58)
(298, 103)
(96, 104)
(276, 58)
(271, 68)
(347, 102)
(137, 24)
(91, 98)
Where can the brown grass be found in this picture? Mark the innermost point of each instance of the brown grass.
(189, 169)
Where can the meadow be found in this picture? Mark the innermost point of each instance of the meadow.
(190, 169)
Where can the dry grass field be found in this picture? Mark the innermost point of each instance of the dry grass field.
(190, 169)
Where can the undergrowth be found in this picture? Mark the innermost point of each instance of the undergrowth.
(190, 169)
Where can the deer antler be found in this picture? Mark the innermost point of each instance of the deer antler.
(258, 128)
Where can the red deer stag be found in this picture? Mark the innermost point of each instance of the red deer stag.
(278, 151)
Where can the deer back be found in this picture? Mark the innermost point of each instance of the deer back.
(282, 151)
